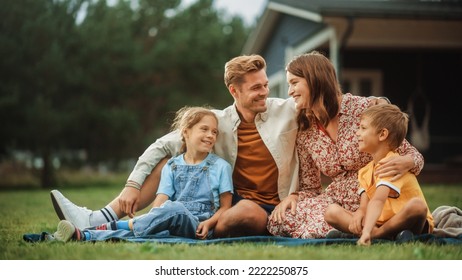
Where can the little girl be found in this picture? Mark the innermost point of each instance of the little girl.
(195, 188)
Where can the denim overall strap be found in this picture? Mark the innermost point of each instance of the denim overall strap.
(192, 188)
(210, 161)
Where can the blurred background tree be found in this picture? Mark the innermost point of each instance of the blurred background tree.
(105, 79)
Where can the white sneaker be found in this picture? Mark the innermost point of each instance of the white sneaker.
(66, 210)
(65, 231)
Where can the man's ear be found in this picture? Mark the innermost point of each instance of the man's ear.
(232, 90)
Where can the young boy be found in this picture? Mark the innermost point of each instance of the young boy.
(388, 209)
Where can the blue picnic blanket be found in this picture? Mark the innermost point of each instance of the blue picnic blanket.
(165, 238)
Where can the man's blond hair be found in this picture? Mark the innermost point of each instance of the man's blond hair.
(236, 68)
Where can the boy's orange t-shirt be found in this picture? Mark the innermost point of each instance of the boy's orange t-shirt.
(402, 190)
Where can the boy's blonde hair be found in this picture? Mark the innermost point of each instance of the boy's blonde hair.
(390, 117)
(236, 68)
(187, 117)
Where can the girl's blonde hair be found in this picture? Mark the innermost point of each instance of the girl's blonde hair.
(187, 117)
(390, 117)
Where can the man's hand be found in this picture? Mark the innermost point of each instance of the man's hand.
(128, 201)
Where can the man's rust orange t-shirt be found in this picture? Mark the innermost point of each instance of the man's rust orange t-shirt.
(255, 173)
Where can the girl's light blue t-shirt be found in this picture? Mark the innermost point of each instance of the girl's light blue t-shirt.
(220, 177)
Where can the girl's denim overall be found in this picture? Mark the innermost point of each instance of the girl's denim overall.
(191, 204)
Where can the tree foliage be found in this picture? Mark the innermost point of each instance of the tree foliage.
(108, 84)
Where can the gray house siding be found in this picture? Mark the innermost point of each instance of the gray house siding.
(405, 60)
(289, 31)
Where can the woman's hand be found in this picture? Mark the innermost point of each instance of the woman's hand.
(395, 167)
(376, 100)
(278, 215)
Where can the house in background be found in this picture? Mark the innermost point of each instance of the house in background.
(409, 51)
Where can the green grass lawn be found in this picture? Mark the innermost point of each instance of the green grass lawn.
(31, 211)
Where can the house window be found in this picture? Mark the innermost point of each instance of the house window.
(278, 85)
(276, 91)
(362, 82)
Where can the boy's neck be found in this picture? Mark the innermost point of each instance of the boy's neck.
(380, 153)
(191, 157)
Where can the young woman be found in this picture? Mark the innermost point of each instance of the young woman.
(326, 143)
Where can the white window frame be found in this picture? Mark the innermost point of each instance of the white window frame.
(354, 77)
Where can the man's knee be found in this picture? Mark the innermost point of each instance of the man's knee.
(250, 212)
(244, 218)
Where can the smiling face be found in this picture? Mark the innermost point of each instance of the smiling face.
(298, 90)
(313, 85)
(250, 96)
(368, 137)
(201, 137)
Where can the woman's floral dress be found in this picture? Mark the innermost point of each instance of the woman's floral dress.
(340, 161)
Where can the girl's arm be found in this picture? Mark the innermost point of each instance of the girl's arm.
(160, 198)
(205, 226)
(166, 188)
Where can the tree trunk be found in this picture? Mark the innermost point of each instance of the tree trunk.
(48, 175)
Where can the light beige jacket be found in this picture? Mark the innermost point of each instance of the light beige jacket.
(278, 130)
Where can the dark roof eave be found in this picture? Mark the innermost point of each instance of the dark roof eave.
(382, 9)
(352, 9)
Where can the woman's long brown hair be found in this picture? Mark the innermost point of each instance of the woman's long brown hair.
(321, 78)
